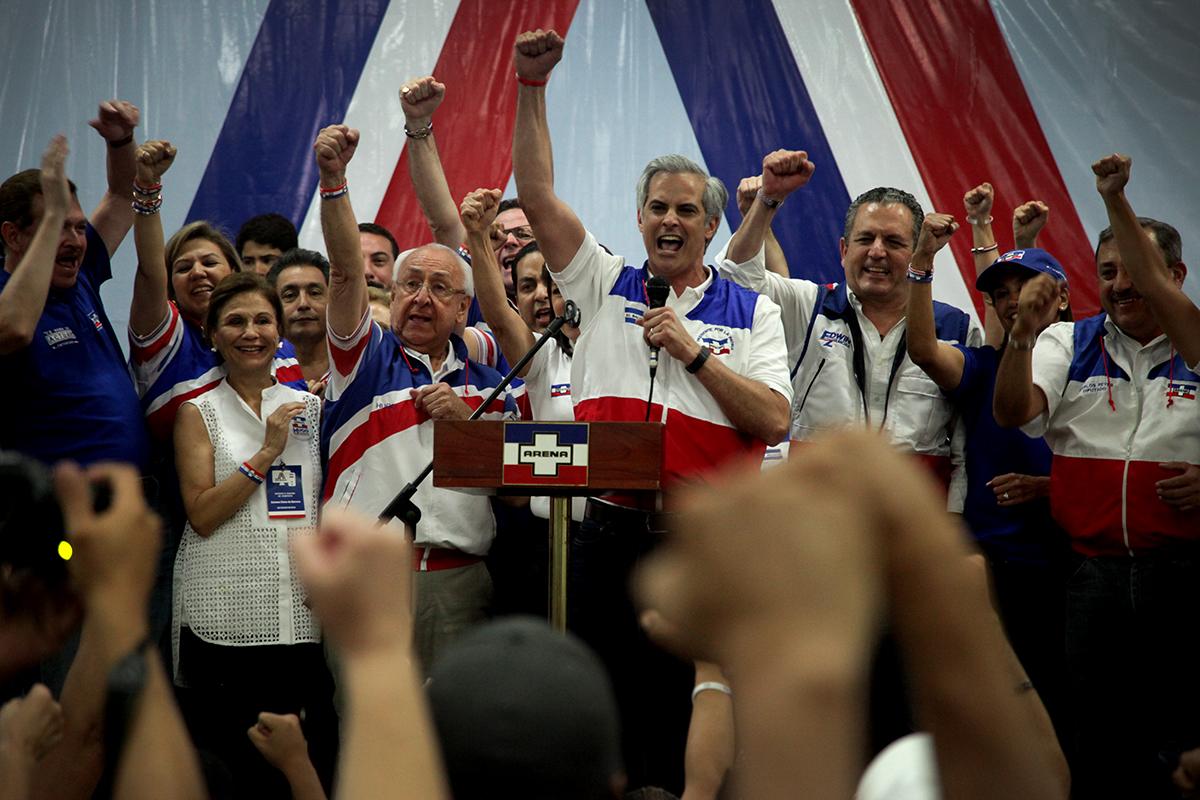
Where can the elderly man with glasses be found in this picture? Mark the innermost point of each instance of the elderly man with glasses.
(385, 389)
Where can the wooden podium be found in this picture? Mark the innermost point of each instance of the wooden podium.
(559, 459)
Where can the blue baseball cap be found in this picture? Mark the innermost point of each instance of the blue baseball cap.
(1033, 259)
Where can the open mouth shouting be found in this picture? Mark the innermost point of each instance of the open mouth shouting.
(669, 243)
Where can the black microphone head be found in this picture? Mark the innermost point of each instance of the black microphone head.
(658, 289)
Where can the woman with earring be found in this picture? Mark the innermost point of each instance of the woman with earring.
(250, 476)
(1008, 473)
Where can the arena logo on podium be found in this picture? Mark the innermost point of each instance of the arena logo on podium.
(545, 454)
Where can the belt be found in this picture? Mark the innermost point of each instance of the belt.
(432, 559)
(607, 513)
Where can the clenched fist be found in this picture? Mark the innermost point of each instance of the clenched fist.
(420, 98)
(1028, 220)
(936, 230)
(1112, 173)
(785, 171)
(116, 120)
(978, 203)
(334, 149)
(478, 210)
(154, 158)
(536, 54)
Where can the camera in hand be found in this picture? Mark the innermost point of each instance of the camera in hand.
(33, 541)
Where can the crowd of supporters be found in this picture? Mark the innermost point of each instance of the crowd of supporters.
(972, 576)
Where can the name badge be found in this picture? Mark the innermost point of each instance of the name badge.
(285, 492)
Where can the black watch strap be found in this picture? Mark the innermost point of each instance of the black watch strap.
(698, 361)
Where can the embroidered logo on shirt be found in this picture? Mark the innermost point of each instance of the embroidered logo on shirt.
(300, 427)
(718, 340)
(560, 390)
(1184, 391)
(58, 337)
(831, 337)
(633, 314)
(95, 318)
(1094, 384)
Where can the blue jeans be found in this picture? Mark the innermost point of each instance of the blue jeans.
(1133, 671)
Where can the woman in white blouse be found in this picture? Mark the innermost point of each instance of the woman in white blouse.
(250, 476)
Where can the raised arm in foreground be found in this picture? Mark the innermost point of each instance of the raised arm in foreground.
(116, 553)
(357, 577)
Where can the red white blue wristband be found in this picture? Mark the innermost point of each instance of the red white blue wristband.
(251, 473)
(336, 192)
(919, 276)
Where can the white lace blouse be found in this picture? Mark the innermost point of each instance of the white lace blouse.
(238, 587)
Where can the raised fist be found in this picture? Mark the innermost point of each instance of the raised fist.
(154, 158)
(1038, 296)
(420, 98)
(746, 192)
(784, 171)
(936, 230)
(1112, 173)
(1028, 220)
(478, 210)
(335, 148)
(536, 53)
(978, 202)
(56, 192)
(116, 120)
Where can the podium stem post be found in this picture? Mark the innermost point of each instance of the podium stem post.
(560, 532)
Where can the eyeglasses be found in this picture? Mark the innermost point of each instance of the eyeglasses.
(522, 233)
(437, 288)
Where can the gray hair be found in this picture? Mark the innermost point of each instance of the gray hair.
(468, 276)
(716, 196)
(886, 195)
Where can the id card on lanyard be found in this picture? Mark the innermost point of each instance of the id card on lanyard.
(285, 492)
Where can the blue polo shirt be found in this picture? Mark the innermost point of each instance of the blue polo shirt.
(69, 394)
(1023, 532)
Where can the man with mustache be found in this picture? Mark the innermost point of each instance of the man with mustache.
(73, 397)
(1116, 399)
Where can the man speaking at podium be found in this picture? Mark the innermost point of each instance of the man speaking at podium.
(721, 387)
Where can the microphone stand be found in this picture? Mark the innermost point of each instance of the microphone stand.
(402, 506)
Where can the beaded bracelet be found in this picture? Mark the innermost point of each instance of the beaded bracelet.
(251, 473)
(146, 207)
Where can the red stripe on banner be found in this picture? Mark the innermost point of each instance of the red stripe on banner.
(967, 118)
(474, 124)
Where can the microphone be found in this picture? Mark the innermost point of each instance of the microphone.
(657, 292)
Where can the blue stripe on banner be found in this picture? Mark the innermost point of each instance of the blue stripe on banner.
(299, 77)
(745, 97)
